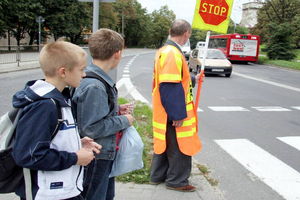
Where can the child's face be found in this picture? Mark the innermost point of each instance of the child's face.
(74, 75)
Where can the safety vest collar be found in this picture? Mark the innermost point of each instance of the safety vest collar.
(170, 42)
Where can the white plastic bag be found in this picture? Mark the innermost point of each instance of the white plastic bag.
(130, 153)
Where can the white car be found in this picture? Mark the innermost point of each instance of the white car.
(215, 62)
(200, 45)
(186, 49)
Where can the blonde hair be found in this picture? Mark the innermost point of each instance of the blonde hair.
(104, 43)
(60, 54)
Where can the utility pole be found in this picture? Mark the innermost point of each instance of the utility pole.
(96, 8)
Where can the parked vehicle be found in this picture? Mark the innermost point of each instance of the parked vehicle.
(215, 62)
(237, 47)
(200, 45)
(186, 49)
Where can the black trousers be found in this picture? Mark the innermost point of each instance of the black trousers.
(172, 166)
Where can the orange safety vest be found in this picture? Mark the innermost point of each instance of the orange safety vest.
(171, 66)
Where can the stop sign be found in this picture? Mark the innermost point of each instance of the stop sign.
(213, 12)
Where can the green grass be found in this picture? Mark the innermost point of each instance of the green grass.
(293, 64)
(143, 123)
(205, 172)
(280, 63)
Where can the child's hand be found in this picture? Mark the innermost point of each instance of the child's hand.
(126, 108)
(84, 156)
(90, 145)
(130, 118)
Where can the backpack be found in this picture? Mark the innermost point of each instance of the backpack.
(110, 96)
(10, 173)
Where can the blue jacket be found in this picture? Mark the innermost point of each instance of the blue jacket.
(93, 114)
(55, 174)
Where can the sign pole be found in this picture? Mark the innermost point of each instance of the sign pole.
(95, 15)
(200, 80)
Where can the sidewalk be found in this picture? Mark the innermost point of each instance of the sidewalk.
(11, 67)
(132, 191)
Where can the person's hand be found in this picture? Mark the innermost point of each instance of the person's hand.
(126, 108)
(84, 157)
(130, 118)
(90, 145)
(177, 123)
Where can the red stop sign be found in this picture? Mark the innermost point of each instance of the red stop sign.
(213, 12)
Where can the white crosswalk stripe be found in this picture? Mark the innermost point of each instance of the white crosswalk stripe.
(270, 108)
(227, 108)
(279, 176)
(296, 107)
(293, 141)
(253, 108)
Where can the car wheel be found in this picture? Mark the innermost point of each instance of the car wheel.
(228, 75)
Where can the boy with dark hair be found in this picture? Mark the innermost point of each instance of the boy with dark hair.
(97, 112)
(55, 163)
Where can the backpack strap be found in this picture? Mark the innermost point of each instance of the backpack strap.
(109, 92)
(26, 172)
(59, 118)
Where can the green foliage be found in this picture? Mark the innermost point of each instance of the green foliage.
(279, 45)
(197, 35)
(143, 124)
(3, 22)
(234, 28)
(278, 12)
(161, 22)
(20, 16)
(67, 18)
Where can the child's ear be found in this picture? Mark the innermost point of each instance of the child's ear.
(118, 54)
(61, 72)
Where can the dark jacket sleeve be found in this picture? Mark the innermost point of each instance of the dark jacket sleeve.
(173, 100)
(33, 136)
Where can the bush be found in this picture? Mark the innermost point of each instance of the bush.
(279, 44)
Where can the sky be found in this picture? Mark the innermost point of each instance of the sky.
(184, 9)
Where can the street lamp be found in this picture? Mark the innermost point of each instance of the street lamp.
(39, 20)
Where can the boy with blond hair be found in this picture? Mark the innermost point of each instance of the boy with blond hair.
(97, 112)
(55, 162)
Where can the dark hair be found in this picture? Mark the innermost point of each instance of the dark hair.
(179, 27)
(104, 43)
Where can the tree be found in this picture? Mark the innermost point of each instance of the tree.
(20, 16)
(161, 22)
(3, 26)
(234, 28)
(67, 18)
(279, 45)
(197, 35)
(277, 12)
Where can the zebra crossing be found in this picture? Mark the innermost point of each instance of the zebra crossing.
(281, 177)
(250, 109)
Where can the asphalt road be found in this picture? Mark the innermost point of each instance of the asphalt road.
(249, 125)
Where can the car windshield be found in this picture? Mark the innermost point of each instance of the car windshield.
(212, 54)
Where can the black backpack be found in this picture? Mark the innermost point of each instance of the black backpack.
(110, 96)
(10, 173)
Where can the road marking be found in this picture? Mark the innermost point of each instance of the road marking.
(296, 107)
(199, 110)
(268, 82)
(227, 108)
(126, 81)
(293, 141)
(270, 108)
(279, 176)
